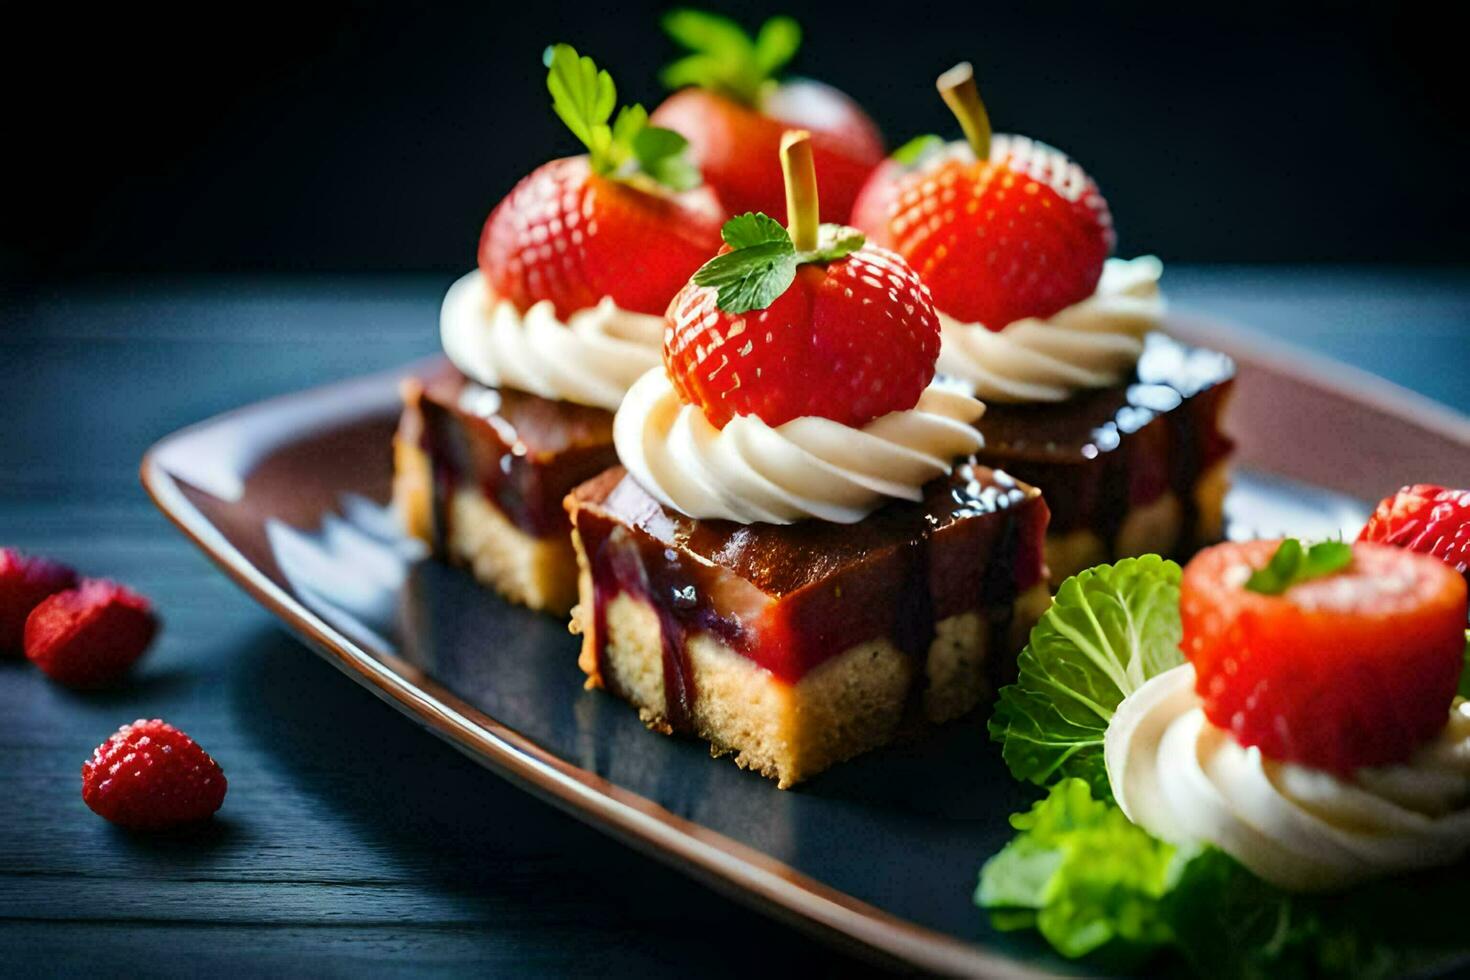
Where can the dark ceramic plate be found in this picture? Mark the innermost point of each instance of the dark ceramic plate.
(881, 853)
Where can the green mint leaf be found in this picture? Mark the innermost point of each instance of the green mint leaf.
(661, 154)
(1109, 629)
(1085, 877)
(699, 30)
(915, 150)
(583, 97)
(724, 57)
(833, 242)
(753, 228)
(751, 278)
(763, 260)
(776, 44)
(1291, 564)
(631, 122)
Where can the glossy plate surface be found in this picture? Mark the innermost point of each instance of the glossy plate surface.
(881, 853)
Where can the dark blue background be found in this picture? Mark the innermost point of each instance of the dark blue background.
(346, 136)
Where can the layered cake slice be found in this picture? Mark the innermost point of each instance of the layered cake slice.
(802, 557)
(1118, 426)
(795, 647)
(576, 267)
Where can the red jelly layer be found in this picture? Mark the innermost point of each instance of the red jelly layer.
(789, 597)
(1101, 453)
(523, 452)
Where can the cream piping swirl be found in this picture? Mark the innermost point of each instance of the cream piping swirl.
(1091, 344)
(809, 467)
(592, 359)
(1184, 780)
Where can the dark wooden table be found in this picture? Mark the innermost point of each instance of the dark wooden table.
(351, 841)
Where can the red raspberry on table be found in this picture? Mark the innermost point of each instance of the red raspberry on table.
(24, 582)
(1354, 668)
(1429, 519)
(149, 776)
(89, 636)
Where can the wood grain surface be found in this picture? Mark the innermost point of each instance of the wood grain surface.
(351, 841)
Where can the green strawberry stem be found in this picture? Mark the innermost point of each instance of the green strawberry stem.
(801, 188)
(957, 86)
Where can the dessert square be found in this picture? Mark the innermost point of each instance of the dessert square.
(1136, 468)
(480, 474)
(797, 646)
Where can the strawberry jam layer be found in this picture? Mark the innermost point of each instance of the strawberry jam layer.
(522, 452)
(789, 597)
(1100, 454)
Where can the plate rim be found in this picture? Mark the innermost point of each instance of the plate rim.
(736, 870)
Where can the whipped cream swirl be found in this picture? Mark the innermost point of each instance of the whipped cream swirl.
(1091, 344)
(592, 359)
(808, 467)
(1184, 780)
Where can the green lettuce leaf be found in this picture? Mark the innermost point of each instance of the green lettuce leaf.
(1084, 876)
(1095, 885)
(1109, 629)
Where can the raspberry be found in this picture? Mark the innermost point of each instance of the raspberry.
(149, 776)
(89, 636)
(1357, 668)
(24, 582)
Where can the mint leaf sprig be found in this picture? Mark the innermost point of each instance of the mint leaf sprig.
(583, 96)
(724, 57)
(763, 260)
(1292, 564)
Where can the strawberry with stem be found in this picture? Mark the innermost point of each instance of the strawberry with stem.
(628, 219)
(733, 111)
(1008, 230)
(809, 320)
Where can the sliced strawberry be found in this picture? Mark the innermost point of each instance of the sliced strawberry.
(1428, 519)
(568, 235)
(1354, 668)
(736, 145)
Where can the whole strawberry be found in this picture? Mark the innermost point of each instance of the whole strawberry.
(150, 776)
(24, 582)
(627, 220)
(1428, 519)
(733, 112)
(1013, 229)
(811, 322)
(89, 636)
